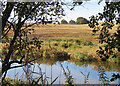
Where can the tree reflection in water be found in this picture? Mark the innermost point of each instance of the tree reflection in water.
(105, 80)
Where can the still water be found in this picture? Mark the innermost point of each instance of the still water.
(82, 73)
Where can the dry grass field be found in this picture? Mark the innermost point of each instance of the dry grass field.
(64, 31)
(50, 31)
(81, 32)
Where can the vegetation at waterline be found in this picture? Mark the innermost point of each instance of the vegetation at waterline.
(42, 79)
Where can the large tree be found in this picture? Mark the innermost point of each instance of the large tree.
(81, 20)
(110, 19)
(15, 15)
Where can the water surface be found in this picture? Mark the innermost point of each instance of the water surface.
(78, 70)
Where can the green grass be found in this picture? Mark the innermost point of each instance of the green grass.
(72, 46)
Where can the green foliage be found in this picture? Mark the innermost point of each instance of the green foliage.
(111, 18)
(80, 55)
(33, 82)
(85, 43)
(81, 20)
(64, 21)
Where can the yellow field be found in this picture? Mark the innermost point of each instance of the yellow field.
(50, 31)
(81, 32)
(64, 31)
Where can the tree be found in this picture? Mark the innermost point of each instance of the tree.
(20, 43)
(111, 18)
(71, 22)
(81, 20)
(64, 21)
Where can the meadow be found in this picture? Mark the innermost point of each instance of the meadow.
(67, 40)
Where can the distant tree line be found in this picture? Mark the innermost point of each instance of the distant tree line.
(79, 20)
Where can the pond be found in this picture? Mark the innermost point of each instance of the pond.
(81, 72)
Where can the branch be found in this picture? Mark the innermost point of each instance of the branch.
(11, 24)
(19, 62)
(17, 66)
(19, 25)
(7, 30)
(28, 26)
(7, 13)
(22, 65)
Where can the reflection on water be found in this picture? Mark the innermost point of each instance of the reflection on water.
(93, 73)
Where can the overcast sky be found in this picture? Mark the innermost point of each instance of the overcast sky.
(86, 10)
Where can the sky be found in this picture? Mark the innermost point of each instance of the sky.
(85, 10)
